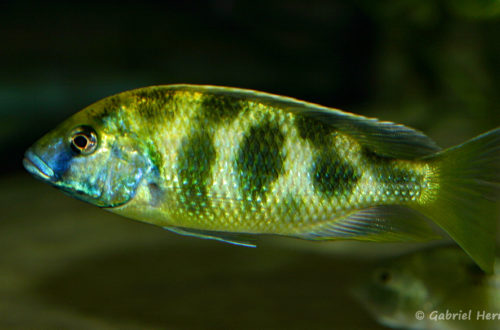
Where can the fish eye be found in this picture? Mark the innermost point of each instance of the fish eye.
(83, 140)
(383, 276)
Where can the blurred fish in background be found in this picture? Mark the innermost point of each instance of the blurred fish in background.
(433, 65)
(438, 288)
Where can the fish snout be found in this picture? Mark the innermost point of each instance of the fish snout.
(37, 167)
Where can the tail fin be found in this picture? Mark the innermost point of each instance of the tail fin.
(469, 186)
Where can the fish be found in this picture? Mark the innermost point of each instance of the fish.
(435, 288)
(226, 164)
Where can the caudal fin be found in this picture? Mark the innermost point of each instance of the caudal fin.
(469, 186)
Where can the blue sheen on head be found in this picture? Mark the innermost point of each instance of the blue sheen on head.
(49, 164)
(61, 162)
(107, 177)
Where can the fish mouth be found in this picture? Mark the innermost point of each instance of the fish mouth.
(36, 166)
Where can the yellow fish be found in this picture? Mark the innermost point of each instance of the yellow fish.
(218, 162)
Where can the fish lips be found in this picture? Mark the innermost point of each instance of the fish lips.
(40, 170)
(37, 167)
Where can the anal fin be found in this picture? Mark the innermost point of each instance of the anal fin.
(386, 223)
(231, 238)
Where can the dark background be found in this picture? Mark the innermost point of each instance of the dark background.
(432, 65)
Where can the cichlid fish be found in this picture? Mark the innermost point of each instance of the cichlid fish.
(440, 288)
(217, 162)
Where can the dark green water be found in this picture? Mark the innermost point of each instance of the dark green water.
(65, 264)
(432, 65)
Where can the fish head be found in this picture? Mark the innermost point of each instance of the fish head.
(392, 295)
(422, 281)
(92, 156)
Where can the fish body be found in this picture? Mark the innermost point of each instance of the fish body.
(212, 161)
(442, 283)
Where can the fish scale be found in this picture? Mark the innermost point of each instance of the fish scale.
(218, 163)
(248, 174)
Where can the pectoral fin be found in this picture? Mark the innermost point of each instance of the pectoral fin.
(376, 224)
(236, 239)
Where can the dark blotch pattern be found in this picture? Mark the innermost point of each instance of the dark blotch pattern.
(332, 176)
(196, 157)
(375, 158)
(314, 130)
(397, 179)
(159, 103)
(260, 160)
(218, 108)
(386, 171)
(111, 104)
(398, 176)
(392, 178)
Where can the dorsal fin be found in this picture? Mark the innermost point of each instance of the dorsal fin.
(385, 139)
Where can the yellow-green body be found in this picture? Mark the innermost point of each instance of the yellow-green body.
(211, 161)
(289, 204)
